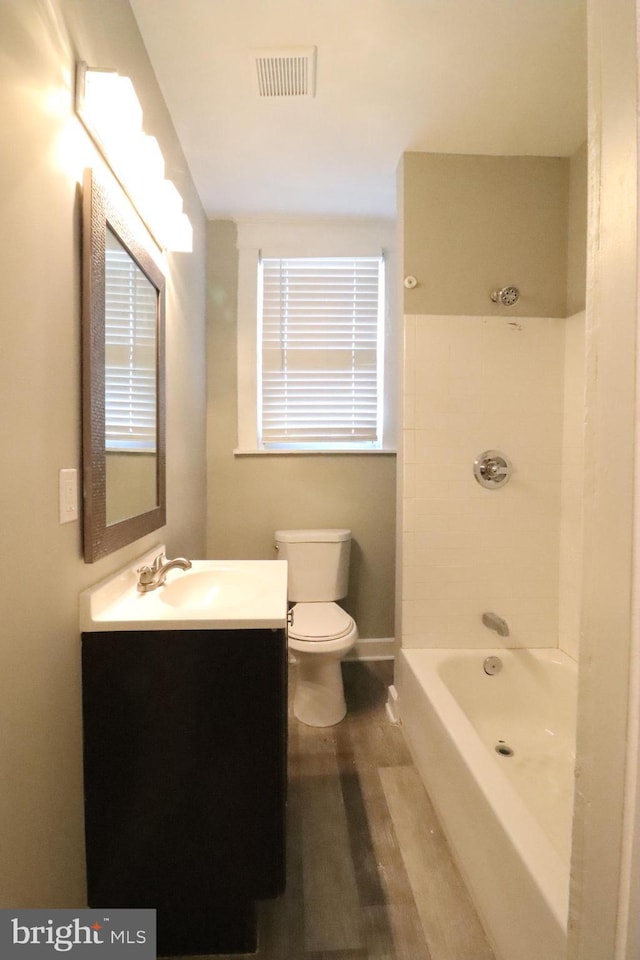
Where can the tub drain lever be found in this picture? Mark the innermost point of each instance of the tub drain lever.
(492, 665)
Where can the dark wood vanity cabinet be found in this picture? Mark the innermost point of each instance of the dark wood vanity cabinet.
(185, 779)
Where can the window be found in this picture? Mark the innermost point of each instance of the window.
(316, 346)
(321, 352)
(130, 352)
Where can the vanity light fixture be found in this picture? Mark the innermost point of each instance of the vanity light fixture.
(109, 109)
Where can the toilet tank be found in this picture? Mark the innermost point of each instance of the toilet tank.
(318, 563)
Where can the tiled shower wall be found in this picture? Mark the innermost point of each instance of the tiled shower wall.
(471, 384)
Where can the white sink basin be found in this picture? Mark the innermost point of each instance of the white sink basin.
(213, 594)
(218, 585)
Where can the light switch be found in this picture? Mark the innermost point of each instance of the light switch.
(68, 495)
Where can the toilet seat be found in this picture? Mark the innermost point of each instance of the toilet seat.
(316, 622)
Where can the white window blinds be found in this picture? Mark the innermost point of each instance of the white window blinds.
(130, 352)
(321, 356)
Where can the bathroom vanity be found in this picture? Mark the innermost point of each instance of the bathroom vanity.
(185, 754)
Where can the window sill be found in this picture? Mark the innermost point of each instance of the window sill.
(356, 451)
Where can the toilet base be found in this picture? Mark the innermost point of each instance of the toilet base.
(319, 694)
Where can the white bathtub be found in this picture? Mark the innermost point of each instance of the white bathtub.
(507, 818)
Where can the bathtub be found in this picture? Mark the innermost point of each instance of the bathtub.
(496, 754)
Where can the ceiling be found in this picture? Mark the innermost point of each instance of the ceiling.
(501, 77)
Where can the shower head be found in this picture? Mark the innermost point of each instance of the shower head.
(507, 296)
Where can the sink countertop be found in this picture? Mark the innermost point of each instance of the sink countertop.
(212, 595)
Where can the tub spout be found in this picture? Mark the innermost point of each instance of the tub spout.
(494, 622)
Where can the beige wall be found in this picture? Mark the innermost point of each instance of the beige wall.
(42, 155)
(250, 497)
(475, 224)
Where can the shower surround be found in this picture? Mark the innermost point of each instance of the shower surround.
(473, 383)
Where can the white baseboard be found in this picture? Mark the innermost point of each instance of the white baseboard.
(375, 648)
(392, 705)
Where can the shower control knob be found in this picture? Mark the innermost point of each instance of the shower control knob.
(492, 469)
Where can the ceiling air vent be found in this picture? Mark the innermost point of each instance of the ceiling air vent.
(286, 72)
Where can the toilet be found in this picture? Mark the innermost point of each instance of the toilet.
(321, 633)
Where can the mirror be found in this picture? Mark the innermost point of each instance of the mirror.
(122, 373)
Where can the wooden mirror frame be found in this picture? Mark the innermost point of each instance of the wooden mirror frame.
(105, 206)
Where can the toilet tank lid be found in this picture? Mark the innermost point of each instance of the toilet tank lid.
(312, 536)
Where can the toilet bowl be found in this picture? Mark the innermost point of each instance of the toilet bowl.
(320, 635)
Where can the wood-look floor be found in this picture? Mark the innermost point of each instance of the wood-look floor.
(370, 875)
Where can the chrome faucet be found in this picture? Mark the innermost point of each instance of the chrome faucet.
(153, 576)
(494, 622)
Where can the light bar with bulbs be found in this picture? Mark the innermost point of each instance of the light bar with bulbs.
(107, 105)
